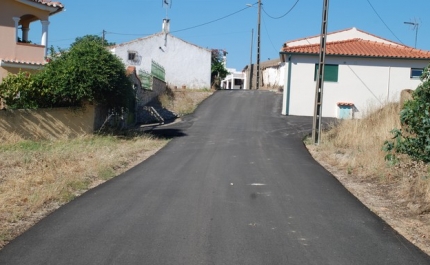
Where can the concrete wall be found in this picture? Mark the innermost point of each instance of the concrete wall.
(274, 77)
(58, 123)
(186, 64)
(363, 82)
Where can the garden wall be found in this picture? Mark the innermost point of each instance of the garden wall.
(56, 123)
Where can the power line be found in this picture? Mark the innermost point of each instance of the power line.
(127, 34)
(268, 36)
(368, 1)
(291, 9)
(200, 25)
(218, 19)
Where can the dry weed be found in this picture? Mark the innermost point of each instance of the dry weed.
(356, 145)
(39, 176)
(182, 101)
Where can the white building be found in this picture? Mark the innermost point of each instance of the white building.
(185, 64)
(360, 69)
(234, 80)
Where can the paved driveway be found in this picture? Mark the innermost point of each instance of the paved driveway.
(234, 186)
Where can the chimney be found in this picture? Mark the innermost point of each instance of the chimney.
(166, 25)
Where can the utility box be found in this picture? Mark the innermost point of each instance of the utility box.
(345, 110)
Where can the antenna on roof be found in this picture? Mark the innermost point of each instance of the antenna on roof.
(167, 4)
(415, 25)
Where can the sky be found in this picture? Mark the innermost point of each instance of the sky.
(228, 24)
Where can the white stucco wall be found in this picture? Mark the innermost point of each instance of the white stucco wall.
(274, 76)
(352, 33)
(363, 82)
(185, 64)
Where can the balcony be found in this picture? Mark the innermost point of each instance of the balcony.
(27, 52)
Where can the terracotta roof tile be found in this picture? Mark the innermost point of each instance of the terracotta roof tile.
(48, 3)
(52, 4)
(23, 62)
(345, 104)
(345, 30)
(361, 48)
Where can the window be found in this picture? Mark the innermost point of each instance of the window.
(416, 72)
(238, 82)
(131, 56)
(331, 72)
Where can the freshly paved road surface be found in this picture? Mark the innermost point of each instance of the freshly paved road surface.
(235, 186)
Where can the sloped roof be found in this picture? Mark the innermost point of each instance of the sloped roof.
(361, 48)
(352, 30)
(152, 36)
(58, 6)
(48, 3)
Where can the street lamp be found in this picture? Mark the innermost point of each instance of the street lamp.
(416, 26)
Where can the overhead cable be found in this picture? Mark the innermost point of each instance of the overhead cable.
(221, 18)
(368, 1)
(291, 9)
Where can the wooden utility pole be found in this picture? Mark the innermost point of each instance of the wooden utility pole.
(103, 38)
(258, 44)
(251, 67)
(316, 125)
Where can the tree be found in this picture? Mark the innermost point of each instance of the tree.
(92, 38)
(218, 71)
(87, 71)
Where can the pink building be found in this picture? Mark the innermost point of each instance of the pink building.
(16, 19)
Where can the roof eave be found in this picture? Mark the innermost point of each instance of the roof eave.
(350, 55)
(52, 10)
(21, 65)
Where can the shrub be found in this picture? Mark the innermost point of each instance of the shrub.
(85, 72)
(414, 138)
(19, 91)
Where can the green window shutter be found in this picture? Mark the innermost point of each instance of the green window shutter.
(145, 79)
(331, 72)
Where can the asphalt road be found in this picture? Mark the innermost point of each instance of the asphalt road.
(234, 186)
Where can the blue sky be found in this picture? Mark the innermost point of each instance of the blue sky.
(126, 20)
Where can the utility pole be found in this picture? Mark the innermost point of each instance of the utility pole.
(251, 67)
(316, 125)
(258, 44)
(103, 38)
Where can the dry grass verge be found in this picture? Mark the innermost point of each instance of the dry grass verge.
(400, 194)
(37, 177)
(183, 101)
